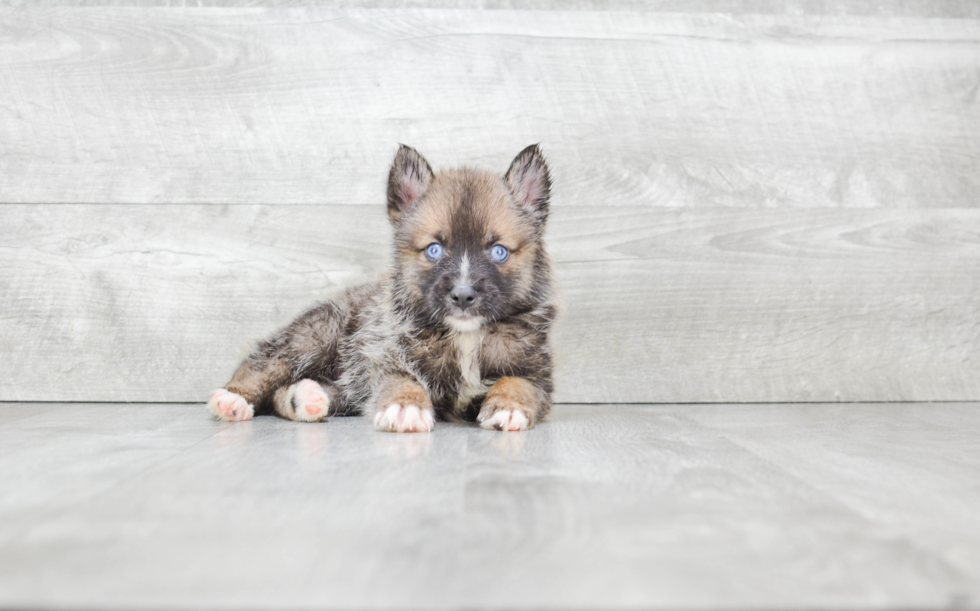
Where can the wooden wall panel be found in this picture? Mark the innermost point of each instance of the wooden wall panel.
(651, 108)
(157, 302)
(754, 201)
(879, 8)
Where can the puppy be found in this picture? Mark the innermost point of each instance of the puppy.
(457, 329)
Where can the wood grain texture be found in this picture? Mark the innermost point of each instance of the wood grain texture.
(158, 303)
(642, 108)
(691, 506)
(884, 8)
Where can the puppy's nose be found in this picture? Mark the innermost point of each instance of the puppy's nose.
(463, 296)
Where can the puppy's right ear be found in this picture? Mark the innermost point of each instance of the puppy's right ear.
(408, 180)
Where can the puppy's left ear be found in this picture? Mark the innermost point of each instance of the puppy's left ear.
(408, 181)
(530, 182)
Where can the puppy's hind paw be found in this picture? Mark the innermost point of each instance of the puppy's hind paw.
(308, 400)
(397, 418)
(505, 420)
(230, 407)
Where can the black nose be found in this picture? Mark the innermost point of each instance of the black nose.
(463, 296)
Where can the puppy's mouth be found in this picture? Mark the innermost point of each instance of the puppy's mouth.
(464, 322)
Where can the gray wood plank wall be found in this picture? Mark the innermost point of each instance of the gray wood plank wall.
(753, 202)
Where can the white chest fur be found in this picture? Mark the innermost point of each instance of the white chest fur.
(468, 355)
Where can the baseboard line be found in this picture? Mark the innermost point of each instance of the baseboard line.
(624, 403)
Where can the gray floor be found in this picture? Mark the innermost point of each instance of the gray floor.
(620, 506)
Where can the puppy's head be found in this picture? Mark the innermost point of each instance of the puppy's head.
(468, 243)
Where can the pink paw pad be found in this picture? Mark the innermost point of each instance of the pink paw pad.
(310, 401)
(229, 406)
(404, 419)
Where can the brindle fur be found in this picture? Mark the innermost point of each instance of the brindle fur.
(390, 340)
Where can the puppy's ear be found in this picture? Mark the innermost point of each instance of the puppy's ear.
(530, 182)
(408, 180)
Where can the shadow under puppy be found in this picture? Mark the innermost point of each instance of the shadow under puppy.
(456, 329)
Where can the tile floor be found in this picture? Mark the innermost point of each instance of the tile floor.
(737, 506)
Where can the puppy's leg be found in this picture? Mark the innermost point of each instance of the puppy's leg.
(513, 404)
(280, 371)
(254, 379)
(403, 406)
(305, 401)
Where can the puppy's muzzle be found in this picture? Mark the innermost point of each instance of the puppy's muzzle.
(463, 296)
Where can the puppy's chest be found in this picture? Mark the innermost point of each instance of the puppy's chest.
(458, 367)
(468, 348)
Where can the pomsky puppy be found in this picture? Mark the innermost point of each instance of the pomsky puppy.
(457, 329)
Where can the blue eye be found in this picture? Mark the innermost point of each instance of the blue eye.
(499, 253)
(433, 251)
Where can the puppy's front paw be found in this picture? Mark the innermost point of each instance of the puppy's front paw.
(308, 400)
(512, 404)
(397, 418)
(503, 419)
(230, 407)
(404, 407)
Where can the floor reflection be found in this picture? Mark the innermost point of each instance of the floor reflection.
(311, 438)
(404, 445)
(234, 434)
